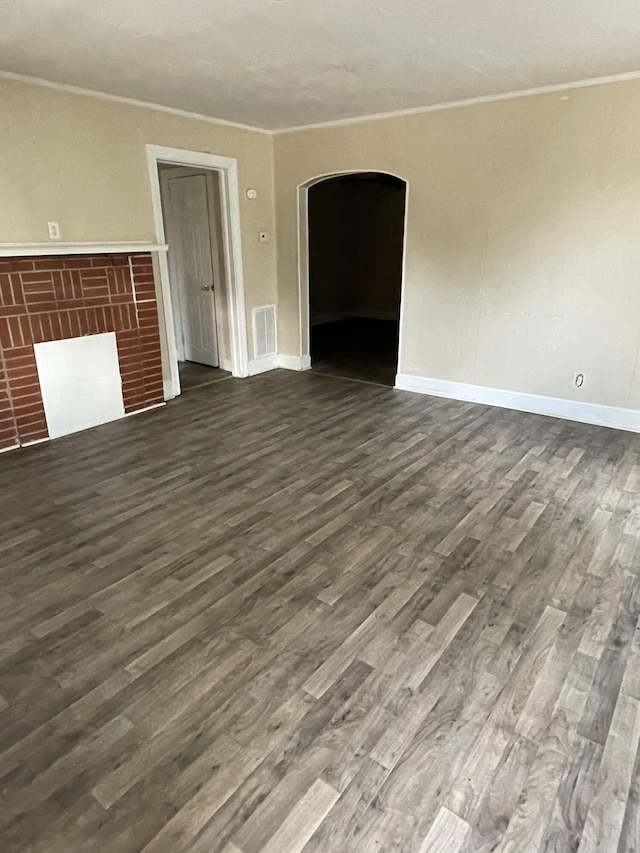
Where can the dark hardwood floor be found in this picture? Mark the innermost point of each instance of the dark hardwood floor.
(194, 375)
(359, 348)
(296, 613)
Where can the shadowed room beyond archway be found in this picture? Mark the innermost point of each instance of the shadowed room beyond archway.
(356, 236)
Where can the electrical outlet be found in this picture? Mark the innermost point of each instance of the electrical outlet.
(54, 230)
(578, 380)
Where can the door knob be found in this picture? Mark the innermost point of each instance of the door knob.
(205, 287)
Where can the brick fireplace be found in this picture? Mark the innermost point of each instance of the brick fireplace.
(53, 297)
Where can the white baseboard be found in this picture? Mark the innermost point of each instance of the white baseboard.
(271, 362)
(261, 365)
(572, 410)
(48, 438)
(140, 411)
(37, 441)
(7, 449)
(294, 362)
(359, 313)
(167, 389)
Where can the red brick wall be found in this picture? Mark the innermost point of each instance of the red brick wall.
(52, 298)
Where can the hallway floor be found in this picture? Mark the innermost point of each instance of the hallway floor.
(194, 375)
(361, 349)
(335, 618)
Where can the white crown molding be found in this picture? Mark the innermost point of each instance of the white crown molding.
(555, 407)
(27, 250)
(446, 105)
(122, 99)
(465, 102)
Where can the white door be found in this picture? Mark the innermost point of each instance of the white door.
(189, 203)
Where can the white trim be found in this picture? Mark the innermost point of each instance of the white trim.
(227, 167)
(146, 409)
(294, 362)
(304, 314)
(572, 410)
(445, 105)
(262, 365)
(465, 102)
(13, 447)
(40, 441)
(133, 102)
(304, 317)
(272, 362)
(403, 307)
(48, 438)
(15, 250)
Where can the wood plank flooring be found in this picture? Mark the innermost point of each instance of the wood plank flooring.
(357, 348)
(295, 614)
(194, 375)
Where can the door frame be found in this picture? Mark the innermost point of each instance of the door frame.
(176, 283)
(303, 256)
(227, 168)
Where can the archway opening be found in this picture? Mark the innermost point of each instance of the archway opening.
(356, 240)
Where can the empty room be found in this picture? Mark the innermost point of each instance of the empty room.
(319, 426)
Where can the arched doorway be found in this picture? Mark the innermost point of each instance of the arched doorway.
(354, 268)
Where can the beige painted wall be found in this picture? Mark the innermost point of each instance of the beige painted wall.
(81, 161)
(523, 237)
(522, 260)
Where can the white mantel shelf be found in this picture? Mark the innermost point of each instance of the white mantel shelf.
(30, 250)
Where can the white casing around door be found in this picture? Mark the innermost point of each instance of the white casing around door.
(189, 205)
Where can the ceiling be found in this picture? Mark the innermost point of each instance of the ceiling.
(282, 63)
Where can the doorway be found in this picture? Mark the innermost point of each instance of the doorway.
(192, 213)
(356, 225)
(217, 192)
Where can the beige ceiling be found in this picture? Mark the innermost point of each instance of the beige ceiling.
(281, 63)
